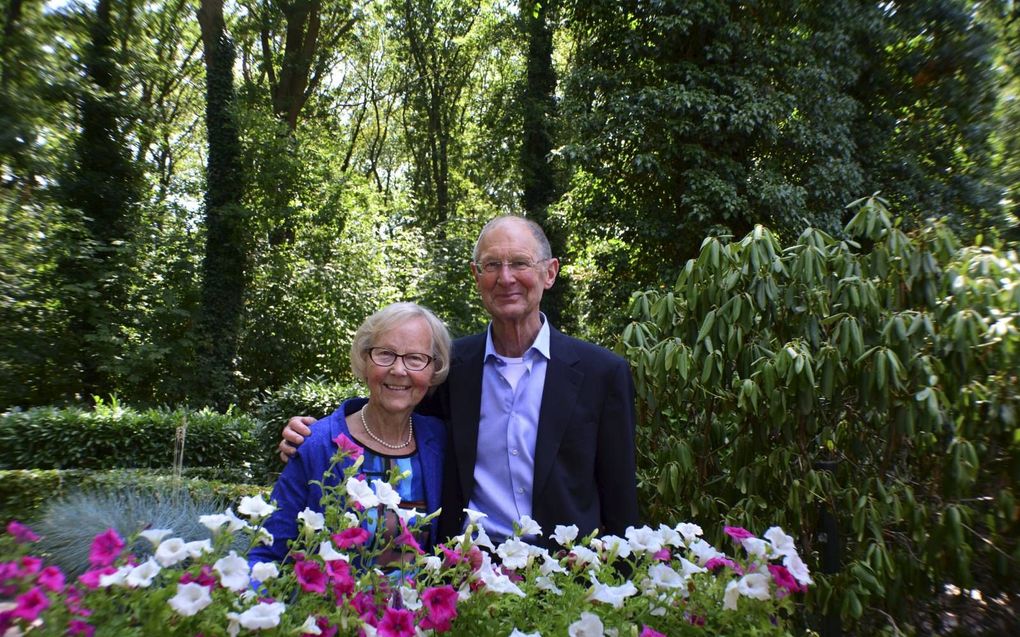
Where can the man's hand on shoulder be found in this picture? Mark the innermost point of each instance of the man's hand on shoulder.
(294, 434)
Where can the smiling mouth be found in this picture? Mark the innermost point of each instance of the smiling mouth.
(396, 387)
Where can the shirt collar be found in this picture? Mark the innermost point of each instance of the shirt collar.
(540, 344)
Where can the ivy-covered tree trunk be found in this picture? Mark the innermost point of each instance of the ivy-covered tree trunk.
(539, 179)
(226, 250)
(101, 190)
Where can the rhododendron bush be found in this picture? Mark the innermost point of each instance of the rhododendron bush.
(654, 581)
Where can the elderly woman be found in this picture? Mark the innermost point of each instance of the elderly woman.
(399, 352)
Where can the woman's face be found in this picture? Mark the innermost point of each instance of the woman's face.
(395, 388)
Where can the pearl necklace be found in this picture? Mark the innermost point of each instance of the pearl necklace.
(410, 432)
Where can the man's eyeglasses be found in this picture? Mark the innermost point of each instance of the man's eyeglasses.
(492, 266)
(412, 360)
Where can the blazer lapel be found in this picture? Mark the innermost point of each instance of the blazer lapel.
(465, 382)
(560, 394)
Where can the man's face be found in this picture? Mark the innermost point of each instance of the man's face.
(509, 294)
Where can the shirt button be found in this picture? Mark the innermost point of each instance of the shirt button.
(520, 489)
(513, 452)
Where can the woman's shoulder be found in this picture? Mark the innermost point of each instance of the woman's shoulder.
(325, 430)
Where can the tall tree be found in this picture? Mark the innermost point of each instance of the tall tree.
(102, 189)
(226, 244)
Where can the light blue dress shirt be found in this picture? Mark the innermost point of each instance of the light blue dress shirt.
(507, 430)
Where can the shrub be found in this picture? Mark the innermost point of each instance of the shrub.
(111, 436)
(873, 377)
(316, 397)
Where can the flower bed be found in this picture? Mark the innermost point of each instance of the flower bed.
(664, 581)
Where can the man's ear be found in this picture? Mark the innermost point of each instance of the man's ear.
(552, 268)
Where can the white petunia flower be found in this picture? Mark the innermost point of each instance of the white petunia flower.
(564, 535)
(233, 572)
(406, 515)
(782, 544)
(352, 519)
(141, 576)
(644, 539)
(310, 627)
(214, 522)
(670, 536)
(432, 563)
(612, 595)
(313, 520)
(235, 523)
(518, 633)
(498, 583)
(262, 616)
(155, 536)
(616, 544)
(731, 595)
(330, 554)
(528, 526)
(233, 624)
(551, 565)
(754, 546)
(474, 516)
(409, 596)
(386, 494)
(798, 569)
(255, 507)
(588, 626)
(198, 547)
(514, 553)
(361, 493)
(263, 571)
(586, 556)
(190, 598)
(662, 576)
(482, 539)
(704, 551)
(172, 551)
(754, 585)
(117, 578)
(264, 537)
(689, 567)
(689, 531)
(547, 584)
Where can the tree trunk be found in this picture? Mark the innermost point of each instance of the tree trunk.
(226, 250)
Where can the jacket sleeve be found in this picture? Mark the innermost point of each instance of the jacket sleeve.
(615, 464)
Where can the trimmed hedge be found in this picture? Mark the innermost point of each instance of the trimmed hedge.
(111, 436)
(23, 493)
(315, 397)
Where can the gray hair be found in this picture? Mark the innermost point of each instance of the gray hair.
(392, 316)
(544, 249)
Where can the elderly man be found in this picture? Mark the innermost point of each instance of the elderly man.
(539, 423)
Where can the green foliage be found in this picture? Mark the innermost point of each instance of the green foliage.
(110, 436)
(874, 376)
(316, 397)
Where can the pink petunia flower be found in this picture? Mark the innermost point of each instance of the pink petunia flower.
(310, 577)
(737, 533)
(355, 536)
(406, 538)
(205, 577)
(29, 605)
(339, 573)
(785, 580)
(78, 627)
(648, 631)
(718, 563)
(662, 555)
(366, 607)
(21, 533)
(348, 447)
(51, 578)
(396, 623)
(105, 548)
(440, 604)
(90, 579)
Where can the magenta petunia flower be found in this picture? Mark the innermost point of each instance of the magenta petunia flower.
(51, 578)
(90, 579)
(663, 555)
(737, 533)
(205, 577)
(30, 564)
(21, 533)
(440, 604)
(105, 548)
(78, 627)
(325, 629)
(348, 447)
(647, 631)
(406, 538)
(785, 580)
(310, 577)
(364, 604)
(339, 573)
(396, 623)
(29, 605)
(717, 563)
(347, 538)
